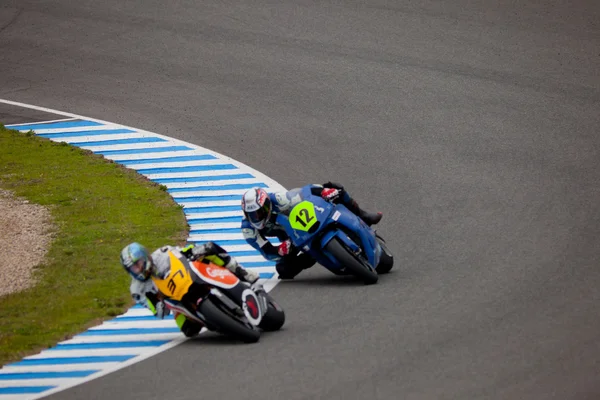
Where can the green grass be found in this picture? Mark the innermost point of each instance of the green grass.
(97, 207)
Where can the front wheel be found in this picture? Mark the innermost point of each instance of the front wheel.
(221, 321)
(357, 265)
(274, 318)
(386, 261)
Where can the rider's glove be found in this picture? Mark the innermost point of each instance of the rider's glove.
(284, 248)
(161, 310)
(330, 194)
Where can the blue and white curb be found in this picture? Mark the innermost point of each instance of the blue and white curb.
(207, 184)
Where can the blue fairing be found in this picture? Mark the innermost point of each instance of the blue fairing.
(323, 210)
(334, 220)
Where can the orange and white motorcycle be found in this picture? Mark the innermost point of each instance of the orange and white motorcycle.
(212, 296)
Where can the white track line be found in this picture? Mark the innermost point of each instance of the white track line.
(74, 129)
(15, 126)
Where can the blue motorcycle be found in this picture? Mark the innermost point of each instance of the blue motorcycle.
(337, 238)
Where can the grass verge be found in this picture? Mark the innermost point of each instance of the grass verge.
(97, 207)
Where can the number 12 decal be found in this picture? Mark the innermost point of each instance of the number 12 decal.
(303, 216)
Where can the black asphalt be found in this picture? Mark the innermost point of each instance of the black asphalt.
(472, 124)
(12, 114)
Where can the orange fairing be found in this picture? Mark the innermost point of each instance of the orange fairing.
(218, 276)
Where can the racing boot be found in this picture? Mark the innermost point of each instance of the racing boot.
(291, 266)
(235, 268)
(369, 217)
(246, 275)
(286, 271)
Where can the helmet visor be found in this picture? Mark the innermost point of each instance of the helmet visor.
(260, 216)
(138, 267)
(141, 269)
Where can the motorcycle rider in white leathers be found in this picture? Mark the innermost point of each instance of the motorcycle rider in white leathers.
(142, 266)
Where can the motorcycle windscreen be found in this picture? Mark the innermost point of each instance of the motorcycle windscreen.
(177, 283)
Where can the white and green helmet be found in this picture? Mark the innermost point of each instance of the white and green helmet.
(137, 261)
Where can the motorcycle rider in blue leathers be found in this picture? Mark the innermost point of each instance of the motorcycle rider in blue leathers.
(259, 222)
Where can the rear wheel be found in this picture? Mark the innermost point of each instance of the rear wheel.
(357, 265)
(386, 261)
(221, 321)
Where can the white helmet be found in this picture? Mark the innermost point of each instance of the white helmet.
(257, 207)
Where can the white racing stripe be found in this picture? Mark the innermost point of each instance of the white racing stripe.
(222, 225)
(209, 204)
(98, 138)
(145, 156)
(208, 183)
(136, 334)
(42, 131)
(195, 193)
(239, 247)
(15, 397)
(36, 382)
(195, 174)
(246, 259)
(216, 214)
(181, 164)
(216, 237)
(140, 337)
(57, 368)
(126, 323)
(17, 126)
(132, 146)
(136, 312)
(132, 350)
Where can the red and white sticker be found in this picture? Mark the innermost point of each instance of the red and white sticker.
(251, 307)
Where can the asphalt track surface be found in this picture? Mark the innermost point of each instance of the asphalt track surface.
(473, 125)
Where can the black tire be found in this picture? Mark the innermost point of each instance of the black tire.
(386, 261)
(226, 324)
(357, 266)
(274, 318)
